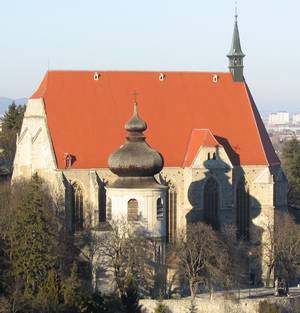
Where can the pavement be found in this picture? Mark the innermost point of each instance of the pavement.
(252, 293)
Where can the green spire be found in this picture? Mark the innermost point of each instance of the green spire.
(236, 54)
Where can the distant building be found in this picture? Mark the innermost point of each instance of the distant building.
(279, 118)
(296, 118)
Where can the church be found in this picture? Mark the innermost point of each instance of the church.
(196, 149)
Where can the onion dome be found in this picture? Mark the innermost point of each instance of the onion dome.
(135, 159)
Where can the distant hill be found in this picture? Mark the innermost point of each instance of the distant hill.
(5, 102)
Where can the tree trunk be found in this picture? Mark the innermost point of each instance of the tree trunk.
(193, 289)
(268, 277)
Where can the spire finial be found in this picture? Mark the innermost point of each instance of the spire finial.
(135, 94)
(236, 11)
(135, 103)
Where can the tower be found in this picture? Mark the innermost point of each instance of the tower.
(135, 194)
(236, 55)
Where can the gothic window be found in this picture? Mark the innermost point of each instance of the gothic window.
(108, 209)
(172, 212)
(211, 202)
(159, 209)
(77, 208)
(102, 201)
(132, 210)
(242, 209)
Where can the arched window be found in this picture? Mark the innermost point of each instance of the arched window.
(172, 212)
(77, 208)
(159, 209)
(108, 209)
(132, 210)
(211, 202)
(208, 156)
(242, 209)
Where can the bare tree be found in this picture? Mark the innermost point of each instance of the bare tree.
(127, 254)
(287, 246)
(267, 253)
(201, 255)
(236, 269)
(281, 247)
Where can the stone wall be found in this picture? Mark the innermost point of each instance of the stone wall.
(286, 305)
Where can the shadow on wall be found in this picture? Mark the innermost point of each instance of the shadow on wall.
(218, 201)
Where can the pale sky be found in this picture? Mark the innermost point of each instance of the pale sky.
(192, 35)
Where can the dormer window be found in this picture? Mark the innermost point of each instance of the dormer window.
(68, 160)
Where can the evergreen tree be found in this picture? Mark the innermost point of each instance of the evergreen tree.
(72, 288)
(53, 287)
(12, 122)
(12, 119)
(291, 165)
(48, 298)
(130, 298)
(32, 239)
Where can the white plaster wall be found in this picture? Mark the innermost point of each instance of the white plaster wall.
(34, 147)
(147, 204)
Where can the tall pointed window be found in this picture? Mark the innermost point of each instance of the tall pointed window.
(132, 210)
(108, 210)
(242, 209)
(102, 201)
(172, 212)
(211, 202)
(77, 208)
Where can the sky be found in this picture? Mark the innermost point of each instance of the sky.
(191, 35)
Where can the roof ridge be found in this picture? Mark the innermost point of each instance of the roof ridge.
(137, 71)
(255, 122)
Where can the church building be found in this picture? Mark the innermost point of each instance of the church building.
(207, 156)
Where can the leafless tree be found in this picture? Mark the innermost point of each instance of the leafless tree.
(201, 256)
(287, 246)
(267, 253)
(127, 252)
(236, 270)
(281, 247)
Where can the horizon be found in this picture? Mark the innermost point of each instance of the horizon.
(165, 36)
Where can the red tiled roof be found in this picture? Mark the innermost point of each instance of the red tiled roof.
(86, 117)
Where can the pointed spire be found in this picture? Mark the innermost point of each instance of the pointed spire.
(236, 54)
(236, 49)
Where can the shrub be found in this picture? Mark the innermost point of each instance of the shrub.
(267, 307)
(161, 307)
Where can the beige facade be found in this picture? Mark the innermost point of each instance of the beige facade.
(267, 186)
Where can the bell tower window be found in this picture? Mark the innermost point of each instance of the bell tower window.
(132, 210)
(159, 209)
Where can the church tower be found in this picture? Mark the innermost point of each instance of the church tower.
(135, 194)
(236, 55)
